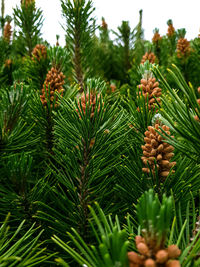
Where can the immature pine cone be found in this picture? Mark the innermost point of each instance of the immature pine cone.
(39, 51)
(7, 63)
(104, 25)
(156, 38)
(150, 88)
(113, 87)
(27, 2)
(53, 83)
(88, 101)
(7, 32)
(170, 30)
(183, 48)
(156, 150)
(198, 101)
(148, 56)
(149, 257)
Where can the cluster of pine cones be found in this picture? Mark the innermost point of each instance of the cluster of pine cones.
(88, 102)
(148, 56)
(198, 101)
(183, 48)
(39, 51)
(156, 38)
(170, 30)
(150, 88)
(148, 256)
(156, 150)
(53, 83)
(7, 32)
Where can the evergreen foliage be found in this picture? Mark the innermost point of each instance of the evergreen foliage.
(99, 143)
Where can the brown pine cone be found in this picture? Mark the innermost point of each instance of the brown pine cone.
(156, 150)
(173, 251)
(39, 51)
(150, 263)
(143, 249)
(156, 38)
(7, 63)
(183, 48)
(170, 30)
(53, 83)
(104, 25)
(88, 101)
(7, 32)
(113, 87)
(27, 2)
(173, 263)
(148, 256)
(150, 89)
(161, 256)
(148, 56)
(134, 258)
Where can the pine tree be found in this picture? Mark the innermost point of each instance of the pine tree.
(28, 18)
(79, 32)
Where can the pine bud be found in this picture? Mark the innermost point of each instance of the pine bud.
(133, 257)
(161, 256)
(143, 249)
(173, 251)
(173, 263)
(150, 263)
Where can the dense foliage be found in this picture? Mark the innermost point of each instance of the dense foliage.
(99, 143)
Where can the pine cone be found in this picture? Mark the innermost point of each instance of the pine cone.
(113, 87)
(104, 25)
(88, 101)
(39, 51)
(7, 32)
(27, 2)
(150, 89)
(53, 83)
(148, 56)
(156, 38)
(7, 63)
(183, 48)
(170, 30)
(149, 257)
(156, 150)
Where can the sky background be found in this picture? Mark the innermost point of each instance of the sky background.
(184, 13)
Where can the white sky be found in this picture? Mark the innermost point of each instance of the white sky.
(184, 13)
